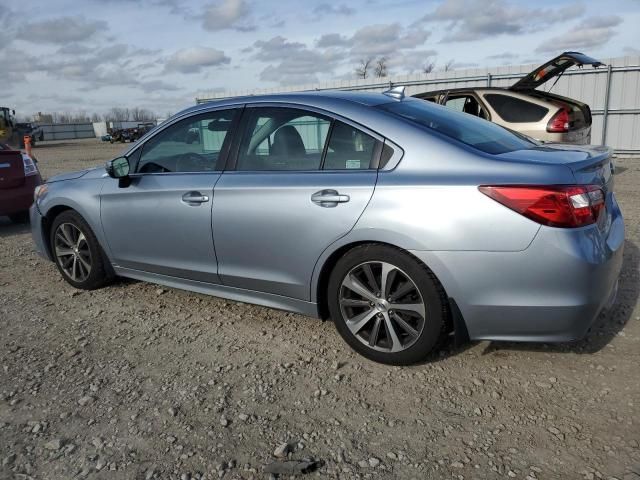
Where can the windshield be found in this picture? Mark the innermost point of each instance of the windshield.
(475, 132)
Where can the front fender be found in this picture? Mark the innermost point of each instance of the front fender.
(83, 196)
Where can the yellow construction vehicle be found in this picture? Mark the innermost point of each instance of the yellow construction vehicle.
(7, 125)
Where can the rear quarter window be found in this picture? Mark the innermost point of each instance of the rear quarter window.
(515, 110)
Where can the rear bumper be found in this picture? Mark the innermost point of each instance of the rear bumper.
(16, 200)
(551, 292)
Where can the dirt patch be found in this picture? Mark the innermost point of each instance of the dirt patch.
(137, 381)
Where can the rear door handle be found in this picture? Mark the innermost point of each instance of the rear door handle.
(329, 198)
(194, 198)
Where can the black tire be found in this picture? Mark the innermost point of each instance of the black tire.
(98, 274)
(20, 217)
(435, 306)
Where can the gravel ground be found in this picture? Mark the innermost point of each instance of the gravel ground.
(137, 381)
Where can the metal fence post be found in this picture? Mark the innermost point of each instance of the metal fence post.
(488, 79)
(605, 112)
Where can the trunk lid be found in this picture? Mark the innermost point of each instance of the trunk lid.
(552, 68)
(11, 169)
(589, 164)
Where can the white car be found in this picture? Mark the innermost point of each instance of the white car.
(544, 116)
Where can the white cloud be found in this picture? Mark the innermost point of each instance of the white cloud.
(61, 30)
(472, 20)
(293, 62)
(194, 59)
(372, 40)
(590, 33)
(329, 9)
(227, 14)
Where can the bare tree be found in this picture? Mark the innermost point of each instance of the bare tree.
(381, 69)
(117, 114)
(429, 66)
(142, 114)
(96, 117)
(362, 71)
(449, 65)
(69, 117)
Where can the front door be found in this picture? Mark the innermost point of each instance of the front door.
(161, 221)
(301, 182)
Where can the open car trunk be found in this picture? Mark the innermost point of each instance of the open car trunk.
(579, 113)
(11, 169)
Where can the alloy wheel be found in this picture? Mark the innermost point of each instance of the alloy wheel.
(382, 306)
(72, 252)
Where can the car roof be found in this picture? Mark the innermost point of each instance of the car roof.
(364, 98)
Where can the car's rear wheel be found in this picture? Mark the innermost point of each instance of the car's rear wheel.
(77, 252)
(385, 304)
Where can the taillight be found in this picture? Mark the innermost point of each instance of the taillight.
(556, 206)
(559, 123)
(29, 166)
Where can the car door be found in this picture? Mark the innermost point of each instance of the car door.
(466, 102)
(159, 221)
(301, 180)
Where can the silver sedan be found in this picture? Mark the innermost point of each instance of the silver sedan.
(402, 221)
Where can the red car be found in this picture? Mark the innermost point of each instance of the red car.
(19, 176)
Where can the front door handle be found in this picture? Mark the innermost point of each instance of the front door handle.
(194, 198)
(329, 198)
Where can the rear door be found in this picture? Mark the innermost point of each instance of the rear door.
(11, 169)
(161, 222)
(466, 102)
(301, 180)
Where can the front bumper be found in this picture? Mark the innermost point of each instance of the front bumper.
(550, 292)
(37, 234)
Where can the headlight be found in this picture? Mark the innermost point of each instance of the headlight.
(40, 191)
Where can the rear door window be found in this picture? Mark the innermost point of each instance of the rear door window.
(515, 110)
(283, 139)
(280, 138)
(466, 104)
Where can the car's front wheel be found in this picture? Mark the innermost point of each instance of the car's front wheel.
(388, 306)
(77, 252)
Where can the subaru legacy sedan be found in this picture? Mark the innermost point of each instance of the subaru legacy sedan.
(402, 221)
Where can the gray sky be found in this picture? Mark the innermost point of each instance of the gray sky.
(91, 55)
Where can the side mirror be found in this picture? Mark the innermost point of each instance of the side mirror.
(118, 167)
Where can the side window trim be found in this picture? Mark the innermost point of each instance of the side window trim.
(327, 140)
(224, 153)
